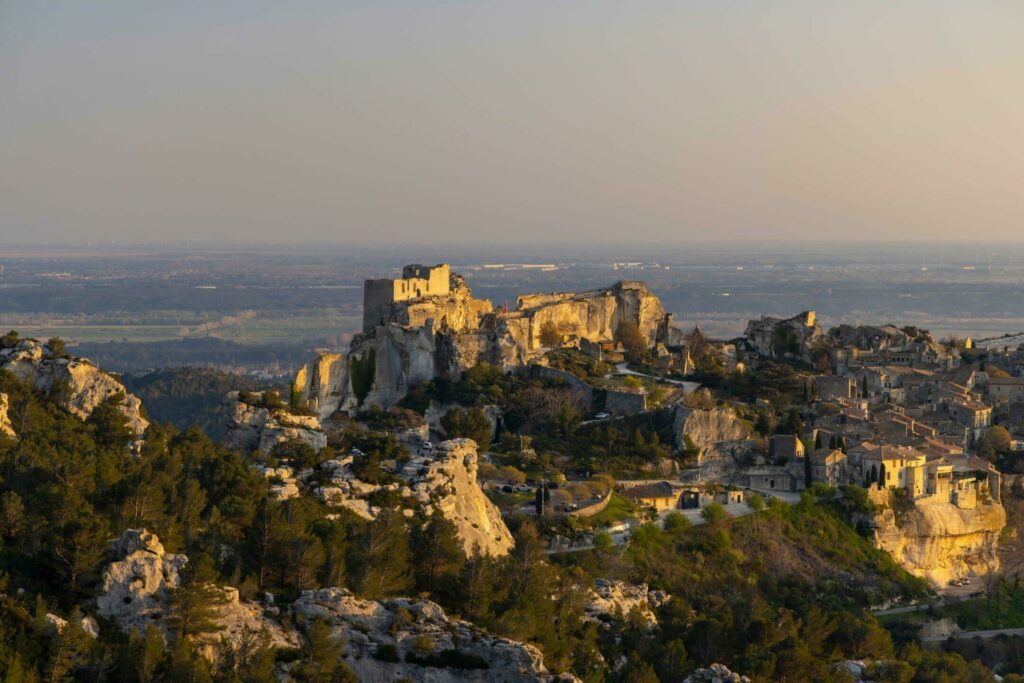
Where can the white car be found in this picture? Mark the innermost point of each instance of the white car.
(602, 416)
(357, 452)
(427, 446)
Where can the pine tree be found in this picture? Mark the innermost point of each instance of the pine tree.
(381, 558)
(67, 649)
(439, 554)
(195, 603)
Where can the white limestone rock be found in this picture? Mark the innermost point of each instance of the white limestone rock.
(251, 427)
(716, 673)
(6, 428)
(82, 386)
(379, 635)
(617, 600)
(448, 478)
(137, 587)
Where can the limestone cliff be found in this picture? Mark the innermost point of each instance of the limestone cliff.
(387, 641)
(77, 384)
(939, 541)
(6, 428)
(447, 479)
(719, 434)
(252, 427)
(408, 341)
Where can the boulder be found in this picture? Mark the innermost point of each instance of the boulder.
(78, 385)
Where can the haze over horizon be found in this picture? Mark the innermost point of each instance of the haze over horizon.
(480, 122)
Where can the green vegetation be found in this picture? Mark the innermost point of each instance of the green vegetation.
(189, 396)
(362, 371)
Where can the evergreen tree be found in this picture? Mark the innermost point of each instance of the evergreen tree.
(381, 558)
(68, 648)
(195, 603)
(439, 554)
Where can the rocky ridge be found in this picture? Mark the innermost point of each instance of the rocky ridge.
(77, 384)
(384, 641)
(414, 639)
(441, 336)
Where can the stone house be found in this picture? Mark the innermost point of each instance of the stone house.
(1006, 389)
(829, 466)
(660, 496)
(896, 467)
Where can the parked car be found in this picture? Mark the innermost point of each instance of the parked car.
(357, 452)
(427, 446)
(507, 489)
(602, 416)
(523, 488)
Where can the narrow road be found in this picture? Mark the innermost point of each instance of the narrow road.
(688, 387)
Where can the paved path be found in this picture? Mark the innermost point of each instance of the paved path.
(907, 609)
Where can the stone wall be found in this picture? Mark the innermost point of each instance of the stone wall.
(624, 402)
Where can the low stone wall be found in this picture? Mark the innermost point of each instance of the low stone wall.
(619, 402)
(592, 510)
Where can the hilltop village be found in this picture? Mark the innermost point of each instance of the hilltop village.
(789, 406)
(574, 488)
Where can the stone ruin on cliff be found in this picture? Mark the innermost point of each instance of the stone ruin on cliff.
(427, 324)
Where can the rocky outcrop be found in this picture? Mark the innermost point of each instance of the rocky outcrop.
(939, 541)
(76, 384)
(447, 480)
(619, 600)
(253, 427)
(6, 428)
(138, 586)
(716, 673)
(416, 640)
(413, 340)
(718, 433)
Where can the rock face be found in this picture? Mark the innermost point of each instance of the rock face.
(939, 541)
(719, 434)
(6, 428)
(617, 599)
(252, 427)
(411, 336)
(394, 639)
(77, 384)
(448, 480)
(137, 589)
(137, 584)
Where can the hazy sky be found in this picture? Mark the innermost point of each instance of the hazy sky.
(495, 121)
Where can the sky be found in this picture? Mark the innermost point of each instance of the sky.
(514, 121)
